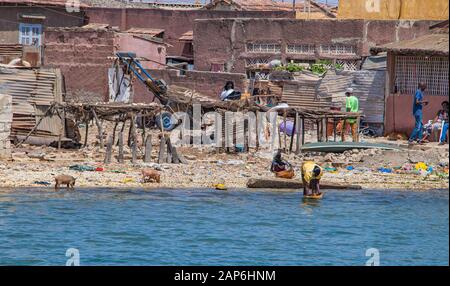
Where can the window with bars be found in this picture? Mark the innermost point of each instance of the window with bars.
(263, 48)
(348, 65)
(30, 34)
(338, 49)
(304, 49)
(410, 70)
(256, 61)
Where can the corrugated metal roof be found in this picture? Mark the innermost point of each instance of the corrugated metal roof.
(433, 44)
(368, 86)
(9, 52)
(378, 62)
(146, 31)
(188, 36)
(302, 92)
(32, 91)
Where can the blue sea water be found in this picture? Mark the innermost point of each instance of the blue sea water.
(208, 227)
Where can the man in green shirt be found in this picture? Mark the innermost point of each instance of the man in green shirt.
(351, 105)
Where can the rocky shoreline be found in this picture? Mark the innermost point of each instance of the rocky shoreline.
(410, 169)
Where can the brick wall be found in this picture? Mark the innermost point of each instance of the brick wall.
(224, 41)
(5, 125)
(206, 83)
(82, 55)
(174, 22)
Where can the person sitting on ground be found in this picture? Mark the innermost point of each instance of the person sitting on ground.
(281, 168)
(440, 123)
(311, 175)
(229, 93)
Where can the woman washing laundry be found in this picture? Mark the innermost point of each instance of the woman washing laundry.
(281, 168)
(311, 175)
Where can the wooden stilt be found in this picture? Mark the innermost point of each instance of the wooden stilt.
(318, 130)
(108, 154)
(148, 149)
(120, 158)
(162, 151)
(303, 131)
(86, 133)
(334, 130)
(133, 139)
(114, 131)
(297, 133)
(99, 127)
(285, 130)
(294, 128)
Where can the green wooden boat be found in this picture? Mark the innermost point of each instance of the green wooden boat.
(339, 147)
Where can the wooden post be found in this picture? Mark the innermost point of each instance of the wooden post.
(99, 127)
(133, 139)
(86, 133)
(148, 149)
(318, 130)
(326, 128)
(285, 130)
(133, 150)
(162, 151)
(358, 122)
(169, 151)
(120, 157)
(334, 129)
(143, 120)
(297, 133)
(293, 134)
(303, 131)
(108, 154)
(114, 131)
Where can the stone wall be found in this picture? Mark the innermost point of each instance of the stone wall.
(5, 125)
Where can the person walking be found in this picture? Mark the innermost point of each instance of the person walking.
(418, 103)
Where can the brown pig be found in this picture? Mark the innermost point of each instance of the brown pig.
(151, 176)
(64, 180)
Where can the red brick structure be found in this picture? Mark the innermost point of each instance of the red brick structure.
(235, 43)
(175, 23)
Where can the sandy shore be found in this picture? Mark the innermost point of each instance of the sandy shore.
(36, 166)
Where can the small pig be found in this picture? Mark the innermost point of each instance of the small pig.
(64, 180)
(151, 176)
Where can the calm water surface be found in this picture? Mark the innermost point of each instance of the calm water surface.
(192, 227)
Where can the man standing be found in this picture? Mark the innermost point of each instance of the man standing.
(418, 104)
(351, 105)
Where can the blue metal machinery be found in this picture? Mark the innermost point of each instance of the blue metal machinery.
(131, 64)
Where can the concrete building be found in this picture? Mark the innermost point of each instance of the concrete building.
(232, 45)
(393, 9)
(408, 63)
(24, 21)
